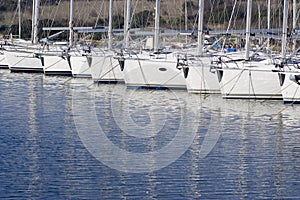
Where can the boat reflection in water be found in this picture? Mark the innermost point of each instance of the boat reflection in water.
(224, 149)
(236, 143)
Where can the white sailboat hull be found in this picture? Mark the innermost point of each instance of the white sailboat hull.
(158, 72)
(57, 65)
(200, 78)
(3, 61)
(290, 86)
(81, 66)
(252, 82)
(106, 68)
(24, 61)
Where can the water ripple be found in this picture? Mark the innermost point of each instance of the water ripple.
(42, 156)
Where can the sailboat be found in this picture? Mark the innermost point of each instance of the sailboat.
(253, 77)
(153, 69)
(23, 56)
(3, 61)
(65, 59)
(290, 84)
(58, 62)
(105, 65)
(199, 76)
(81, 65)
(290, 75)
(80, 60)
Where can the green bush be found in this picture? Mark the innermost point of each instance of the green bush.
(142, 19)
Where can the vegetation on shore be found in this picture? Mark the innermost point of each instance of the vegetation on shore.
(174, 14)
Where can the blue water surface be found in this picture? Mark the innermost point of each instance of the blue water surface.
(254, 154)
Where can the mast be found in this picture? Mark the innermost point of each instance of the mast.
(269, 22)
(259, 21)
(111, 5)
(284, 30)
(248, 29)
(186, 20)
(19, 10)
(156, 28)
(125, 20)
(127, 24)
(32, 20)
(294, 21)
(36, 21)
(71, 24)
(200, 27)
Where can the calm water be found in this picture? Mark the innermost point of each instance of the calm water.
(65, 138)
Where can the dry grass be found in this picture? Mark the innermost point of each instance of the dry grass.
(94, 11)
(90, 11)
